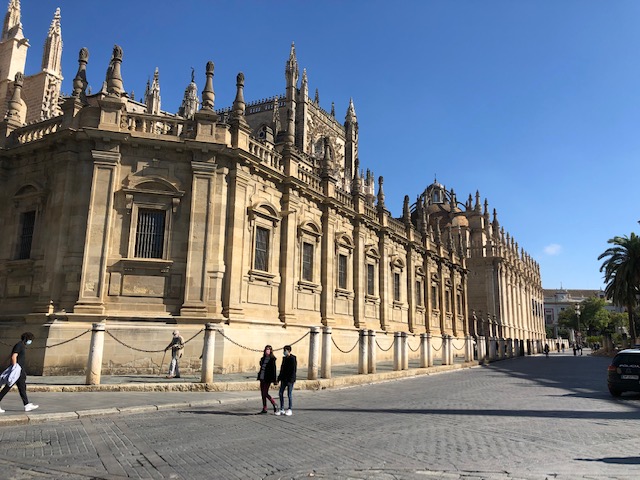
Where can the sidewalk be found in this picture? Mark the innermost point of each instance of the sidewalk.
(66, 397)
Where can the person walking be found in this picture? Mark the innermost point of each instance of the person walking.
(546, 349)
(19, 356)
(287, 378)
(176, 345)
(267, 376)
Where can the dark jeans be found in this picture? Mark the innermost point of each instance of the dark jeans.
(22, 388)
(289, 387)
(264, 391)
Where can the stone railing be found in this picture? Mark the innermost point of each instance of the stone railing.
(155, 125)
(397, 227)
(309, 178)
(267, 155)
(370, 212)
(36, 131)
(344, 198)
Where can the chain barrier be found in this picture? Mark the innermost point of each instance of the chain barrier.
(50, 346)
(343, 351)
(147, 351)
(458, 349)
(385, 349)
(440, 347)
(409, 345)
(258, 350)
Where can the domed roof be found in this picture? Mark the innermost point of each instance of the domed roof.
(460, 220)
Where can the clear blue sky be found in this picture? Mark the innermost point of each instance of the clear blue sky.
(535, 103)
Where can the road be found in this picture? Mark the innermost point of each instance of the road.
(524, 418)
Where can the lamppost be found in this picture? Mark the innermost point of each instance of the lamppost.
(578, 336)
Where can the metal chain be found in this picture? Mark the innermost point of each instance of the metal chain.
(148, 351)
(257, 350)
(440, 347)
(387, 349)
(51, 346)
(348, 351)
(409, 345)
(459, 349)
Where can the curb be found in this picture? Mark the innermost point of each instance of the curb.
(314, 385)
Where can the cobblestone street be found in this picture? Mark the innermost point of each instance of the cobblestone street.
(526, 418)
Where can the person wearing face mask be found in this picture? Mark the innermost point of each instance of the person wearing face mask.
(18, 355)
(287, 378)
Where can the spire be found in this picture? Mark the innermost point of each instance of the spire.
(208, 96)
(477, 206)
(380, 193)
(351, 113)
(333, 109)
(80, 80)
(291, 76)
(152, 95)
(12, 25)
(238, 109)
(15, 111)
(114, 79)
(304, 85)
(190, 100)
(326, 159)
(275, 118)
(317, 98)
(406, 214)
(52, 55)
(291, 70)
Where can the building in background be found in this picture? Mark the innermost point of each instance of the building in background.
(257, 217)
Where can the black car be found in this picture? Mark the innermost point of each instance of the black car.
(623, 375)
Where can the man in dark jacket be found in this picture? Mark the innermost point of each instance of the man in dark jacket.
(287, 378)
(19, 356)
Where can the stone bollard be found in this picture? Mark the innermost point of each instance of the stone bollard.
(397, 365)
(424, 362)
(468, 351)
(450, 349)
(503, 348)
(314, 348)
(493, 348)
(363, 356)
(96, 349)
(429, 350)
(405, 351)
(325, 366)
(512, 347)
(372, 352)
(444, 350)
(482, 349)
(208, 352)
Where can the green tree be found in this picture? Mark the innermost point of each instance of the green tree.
(622, 274)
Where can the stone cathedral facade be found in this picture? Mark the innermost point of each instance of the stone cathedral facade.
(258, 217)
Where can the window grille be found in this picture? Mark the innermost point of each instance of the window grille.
(150, 234)
(307, 262)
(342, 271)
(28, 222)
(261, 261)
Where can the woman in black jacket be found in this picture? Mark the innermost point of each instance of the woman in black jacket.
(267, 376)
(287, 378)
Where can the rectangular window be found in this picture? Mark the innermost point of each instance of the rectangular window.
(342, 271)
(447, 299)
(434, 297)
(396, 287)
(261, 261)
(150, 233)
(459, 297)
(371, 279)
(419, 293)
(307, 262)
(27, 223)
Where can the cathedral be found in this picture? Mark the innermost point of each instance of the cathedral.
(257, 217)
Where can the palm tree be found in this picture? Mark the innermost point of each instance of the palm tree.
(622, 274)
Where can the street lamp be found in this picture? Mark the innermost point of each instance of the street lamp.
(577, 309)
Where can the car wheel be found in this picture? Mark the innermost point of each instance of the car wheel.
(614, 392)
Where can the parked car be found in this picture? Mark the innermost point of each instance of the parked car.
(623, 375)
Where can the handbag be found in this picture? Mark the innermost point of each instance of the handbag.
(10, 375)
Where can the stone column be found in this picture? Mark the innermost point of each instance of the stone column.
(325, 367)
(424, 345)
(429, 352)
(208, 351)
(444, 350)
(96, 349)
(372, 352)
(468, 351)
(314, 347)
(405, 351)
(98, 233)
(397, 361)
(493, 348)
(363, 356)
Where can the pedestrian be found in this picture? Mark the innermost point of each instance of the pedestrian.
(177, 346)
(287, 378)
(557, 346)
(546, 349)
(18, 356)
(562, 347)
(267, 376)
(574, 349)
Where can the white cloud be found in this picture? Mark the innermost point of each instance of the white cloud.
(553, 249)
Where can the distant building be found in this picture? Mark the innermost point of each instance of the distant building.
(255, 217)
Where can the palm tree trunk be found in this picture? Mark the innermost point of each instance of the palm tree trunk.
(632, 325)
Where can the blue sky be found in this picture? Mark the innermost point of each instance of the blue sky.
(535, 103)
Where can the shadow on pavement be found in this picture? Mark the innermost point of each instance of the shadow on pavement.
(616, 460)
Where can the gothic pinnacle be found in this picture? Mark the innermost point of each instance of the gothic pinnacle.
(208, 95)
(80, 80)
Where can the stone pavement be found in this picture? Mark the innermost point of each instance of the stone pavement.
(66, 397)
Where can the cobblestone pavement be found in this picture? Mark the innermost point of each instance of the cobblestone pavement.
(526, 418)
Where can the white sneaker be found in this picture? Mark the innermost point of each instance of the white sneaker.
(1, 410)
(288, 413)
(280, 412)
(30, 406)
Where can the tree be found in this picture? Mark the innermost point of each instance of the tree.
(622, 274)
